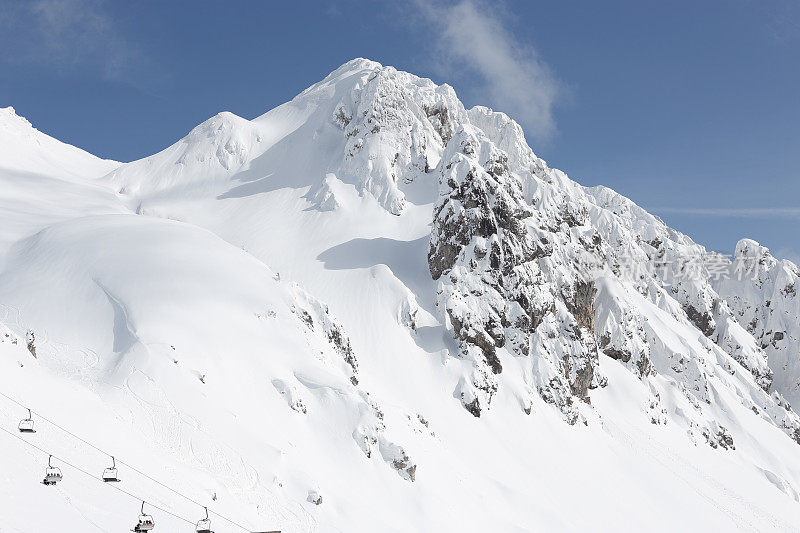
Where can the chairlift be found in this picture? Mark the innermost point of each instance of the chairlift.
(110, 474)
(26, 424)
(204, 525)
(146, 522)
(53, 474)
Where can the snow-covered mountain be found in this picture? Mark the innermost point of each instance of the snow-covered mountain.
(371, 309)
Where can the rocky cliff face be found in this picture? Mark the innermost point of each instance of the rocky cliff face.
(532, 266)
(760, 294)
(493, 261)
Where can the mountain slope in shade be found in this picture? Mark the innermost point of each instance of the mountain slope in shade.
(373, 309)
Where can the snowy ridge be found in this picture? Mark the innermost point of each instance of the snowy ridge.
(373, 309)
(761, 293)
(221, 145)
(26, 149)
(539, 262)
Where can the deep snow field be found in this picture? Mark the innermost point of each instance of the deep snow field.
(249, 318)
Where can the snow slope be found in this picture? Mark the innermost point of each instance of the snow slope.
(373, 309)
(26, 149)
(44, 180)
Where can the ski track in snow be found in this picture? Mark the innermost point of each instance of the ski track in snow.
(679, 467)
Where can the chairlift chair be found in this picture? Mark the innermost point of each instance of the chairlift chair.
(26, 424)
(146, 522)
(53, 474)
(110, 474)
(204, 525)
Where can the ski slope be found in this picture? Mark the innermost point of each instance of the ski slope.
(249, 319)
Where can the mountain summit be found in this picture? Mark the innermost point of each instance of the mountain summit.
(370, 309)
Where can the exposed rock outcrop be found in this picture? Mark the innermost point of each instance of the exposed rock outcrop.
(318, 318)
(496, 285)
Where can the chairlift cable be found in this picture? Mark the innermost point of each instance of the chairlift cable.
(89, 474)
(65, 430)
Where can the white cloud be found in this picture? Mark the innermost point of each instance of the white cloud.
(750, 212)
(65, 35)
(474, 41)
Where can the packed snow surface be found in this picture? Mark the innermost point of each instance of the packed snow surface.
(371, 309)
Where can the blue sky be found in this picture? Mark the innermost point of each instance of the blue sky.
(689, 108)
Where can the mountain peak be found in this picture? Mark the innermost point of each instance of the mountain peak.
(23, 148)
(355, 64)
(382, 129)
(12, 123)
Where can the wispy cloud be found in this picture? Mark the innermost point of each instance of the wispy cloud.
(750, 212)
(782, 20)
(474, 41)
(67, 35)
